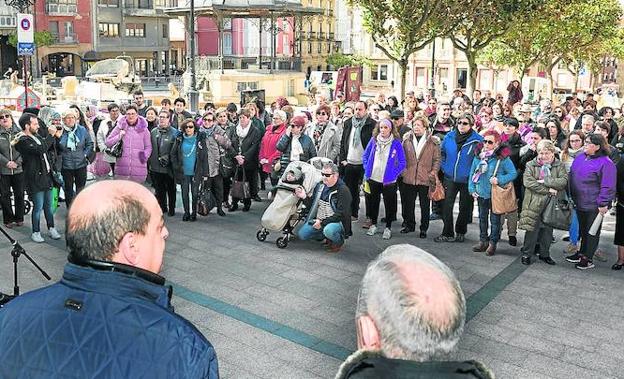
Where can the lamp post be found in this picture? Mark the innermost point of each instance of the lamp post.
(193, 94)
(432, 80)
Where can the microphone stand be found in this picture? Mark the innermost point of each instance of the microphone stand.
(15, 253)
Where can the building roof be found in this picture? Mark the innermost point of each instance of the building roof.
(246, 8)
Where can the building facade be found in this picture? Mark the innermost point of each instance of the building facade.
(8, 25)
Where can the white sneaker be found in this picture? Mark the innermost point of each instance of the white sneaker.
(387, 234)
(372, 230)
(54, 234)
(36, 237)
(270, 195)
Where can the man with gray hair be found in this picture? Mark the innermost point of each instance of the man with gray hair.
(410, 315)
(587, 124)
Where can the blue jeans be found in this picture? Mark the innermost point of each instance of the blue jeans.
(333, 232)
(485, 210)
(574, 229)
(42, 201)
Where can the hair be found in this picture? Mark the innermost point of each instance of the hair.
(187, 121)
(394, 131)
(112, 106)
(281, 114)
(499, 104)
(151, 109)
(68, 112)
(97, 235)
(165, 101)
(395, 100)
(493, 133)
(246, 112)
(81, 117)
(603, 125)
(180, 100)
(324, 108)
(362, 102)
(541, 131)
(290, 112)
(231, 107)
(557, 123)
(547, 145)
(219, 111)
(486, 110)
(252, 106)
(564, 112)
(260, 105)
(408, 326)
(565, 153)
(423, 119)
(164, 111)
(588, 117)
(468, 117)
(209, 105)
(598, 139)
(332, 166)
(137, 93)
(25, 119)
(132, 106)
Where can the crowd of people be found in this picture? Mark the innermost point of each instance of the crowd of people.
(489, 151)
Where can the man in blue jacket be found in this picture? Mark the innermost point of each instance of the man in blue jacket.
(110, 316)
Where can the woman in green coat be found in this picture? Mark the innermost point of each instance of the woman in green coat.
(544, 176)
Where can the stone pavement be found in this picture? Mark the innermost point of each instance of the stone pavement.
(288, 313)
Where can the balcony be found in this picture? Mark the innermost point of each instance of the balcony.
(61, 9)
(67, 39)
(312, 35)
(144, 8)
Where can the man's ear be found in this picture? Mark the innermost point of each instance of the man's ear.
(128, 251)
(368, 335)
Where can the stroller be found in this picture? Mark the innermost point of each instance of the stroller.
(287, 210)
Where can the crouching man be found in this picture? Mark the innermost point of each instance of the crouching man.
(330, 210)
(410, 315)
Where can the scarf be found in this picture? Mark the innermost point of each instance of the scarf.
(72, 140)
(357, 124)
(544, 169)
(296, 150)
(484, 156)
(383, 143)
(419, 144)
(209, 131)
(460, 139)
(242, 132)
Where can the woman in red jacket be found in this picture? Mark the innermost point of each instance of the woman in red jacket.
(269, 155)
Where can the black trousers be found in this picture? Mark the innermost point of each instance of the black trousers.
(409, 193)
(263, 178)
(465, 207)
(77, 177)
(589, 243)
(165, 187)
(13, 182)
(216, 187)
(227, 185)
(389, 193)
(353, 175)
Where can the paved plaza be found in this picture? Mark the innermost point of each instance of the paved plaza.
(289, 313)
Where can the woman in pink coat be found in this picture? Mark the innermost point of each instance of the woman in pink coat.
(137, 146)
(268, 147)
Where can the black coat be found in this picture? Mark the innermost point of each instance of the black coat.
(249, 147)
(366, 134)
(36, 176)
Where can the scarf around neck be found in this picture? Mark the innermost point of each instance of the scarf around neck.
(544, 169)
(383, 143)
(419, 144)
(484, 156)
(357, 124)
(460, 139)
(72, 140)
(242, 132)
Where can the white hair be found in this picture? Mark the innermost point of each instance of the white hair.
(588, 117)
(281, 114)
(410, 328)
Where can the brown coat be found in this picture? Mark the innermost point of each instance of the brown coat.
(421, 171)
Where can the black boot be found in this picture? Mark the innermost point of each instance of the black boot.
(526, 260)
(220, 212)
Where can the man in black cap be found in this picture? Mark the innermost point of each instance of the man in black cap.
(398, 121)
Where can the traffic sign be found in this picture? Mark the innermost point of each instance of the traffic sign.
(25, 48)
(25, 26)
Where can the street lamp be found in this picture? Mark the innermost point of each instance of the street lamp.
(21, 5)
(432, 80)
(193, 94)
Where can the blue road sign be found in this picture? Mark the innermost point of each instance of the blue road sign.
(25, 48)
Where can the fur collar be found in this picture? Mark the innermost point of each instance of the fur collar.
(141, 124)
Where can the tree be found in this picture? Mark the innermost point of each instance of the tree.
(483, 24)
(43, 38)
(399, 28)
(341, 60)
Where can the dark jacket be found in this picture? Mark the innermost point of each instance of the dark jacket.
(339, 197)
(176, 119)
(249, 147)
(201, 160)
(592, 182)
(365, 134)
(457, 160)
(36, 176)
(77, 158)
(8, 152)
(162, 144)
(285, 144)
(371, 364)
(110, 324)
(536, 194)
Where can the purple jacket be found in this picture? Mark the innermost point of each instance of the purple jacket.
(396, 160)
(137, 147)
(592, 182)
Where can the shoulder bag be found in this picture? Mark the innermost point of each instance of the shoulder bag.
(503, 198)
(206, 199)
(558, 211)
(436, 192)
(240, 188)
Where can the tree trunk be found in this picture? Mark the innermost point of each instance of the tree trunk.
(471, 84)
(402, 79)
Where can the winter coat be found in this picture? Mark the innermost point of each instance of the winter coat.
(247, 147)
(37, 177)
(394, 166)
(329, 147)
(8, 152)
(217, 142)
(75, 159)
(339, 198)
(285, 144)
(162, 143)
(506, 171)
(176, 119)
(109, 324)
(457, 161)
(515, 94)
(592, 182)
(365, 135)
(536, 194)
(201, 157)
(106, 127)
(421, 171)
(137, 147)
(515, 143)
(268, 146)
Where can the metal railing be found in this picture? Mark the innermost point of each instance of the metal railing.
(66, 39)
(61, 9)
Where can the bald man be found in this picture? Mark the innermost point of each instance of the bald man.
(110, 316)
(410, 314)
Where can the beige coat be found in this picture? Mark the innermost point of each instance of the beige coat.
(421, 171)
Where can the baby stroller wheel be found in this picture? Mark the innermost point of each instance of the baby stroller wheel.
(261, 235)
(282, 242)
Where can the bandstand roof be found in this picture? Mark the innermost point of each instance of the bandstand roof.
(246, 8)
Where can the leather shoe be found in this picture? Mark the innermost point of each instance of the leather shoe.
(513, 241)
(459, 238)
(491, 249)
(186, 217)
(331, 248)
(406, 230)
(526, 260)
(423, 235)
(617, 266)
(246, 207)
(257, 198)
(480, 247)
(171, 212)
(220, 212)
(233, 207)
(193, 218)
(548, 260)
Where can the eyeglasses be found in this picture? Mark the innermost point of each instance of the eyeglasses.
(321, 114)
(489, 141)
(326, 174)
(5, 116)
(463, 123)
(163, 117)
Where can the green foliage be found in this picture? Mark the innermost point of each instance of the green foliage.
(44, 38)
(341, 60)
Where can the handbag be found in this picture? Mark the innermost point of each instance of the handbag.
(206, 199)
(240, 188)
(503, 198)
(436, 193)
(558, 211)
(116, 150)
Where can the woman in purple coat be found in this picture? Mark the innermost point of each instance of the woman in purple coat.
(384, 161)
(592, 184)
(137, 146)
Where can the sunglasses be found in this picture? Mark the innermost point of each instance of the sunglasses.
(208, 120)
(163, 117)
(5, 116)
(463, 123)
(489, 141)
(189, 127)
(295, 126)
(321, 114)
(326, 175)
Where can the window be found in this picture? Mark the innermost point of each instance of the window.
(379, 72)
(227, 43)
(53, 28)
(108, 3)
(61, 7)
(140, 66)
(7, 21)
(421, 77)
(135, 30)
(165, 31)
(309, 47)
(68, 30)
(285, 45)
(319, 47)
(244, 86)
(291, 88)
(108, 30)
(227, 23)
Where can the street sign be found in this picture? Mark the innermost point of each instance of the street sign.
(25, 34)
